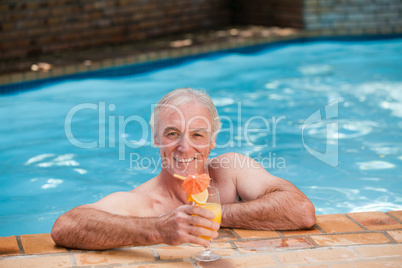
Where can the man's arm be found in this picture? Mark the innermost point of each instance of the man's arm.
(90, 227)
(269, 202)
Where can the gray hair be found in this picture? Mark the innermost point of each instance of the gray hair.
(183, 96)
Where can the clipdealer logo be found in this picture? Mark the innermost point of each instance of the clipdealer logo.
(331, 154)
(238, 133)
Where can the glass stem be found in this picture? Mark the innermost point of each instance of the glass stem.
(207, 250)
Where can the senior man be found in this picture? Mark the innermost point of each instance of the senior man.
(184, 124)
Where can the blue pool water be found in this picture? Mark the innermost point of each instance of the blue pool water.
(325, 115)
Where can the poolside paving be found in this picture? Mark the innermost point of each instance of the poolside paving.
(363, 239)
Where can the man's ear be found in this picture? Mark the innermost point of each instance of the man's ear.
(213, 140)
(213, 143)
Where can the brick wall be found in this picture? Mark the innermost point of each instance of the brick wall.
(282, 13)
(323, 16)
(356, 16)
(32, 27)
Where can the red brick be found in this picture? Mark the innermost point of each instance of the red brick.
(9, 246)
(380, 251)
(315, 256)
(312, 230)
(397, 235)
(162, 265)
(246, 261)
(349, 239)
(224, 235)
(375, 220)
(370, 264)
(39, 243)
(255, 233)
(187, 251)
(121, 256)
(272, 244)
(337, 223)
(396, 214)
(37, 262)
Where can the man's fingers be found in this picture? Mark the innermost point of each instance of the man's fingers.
(199, 211)
(201, 217)
(200, 241)
(201, 231)
(196, 239)
(199, 221)
(194, 222)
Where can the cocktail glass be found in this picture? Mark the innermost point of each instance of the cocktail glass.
(212, 204)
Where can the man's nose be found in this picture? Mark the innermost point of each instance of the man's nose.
(184, 143)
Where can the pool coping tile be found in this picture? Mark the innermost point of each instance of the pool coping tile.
(187, 251)
(247, 234)
(37, 262)
(224, 234)
(375, 220)
(112, 257)
(321, 255)
(397, 214)
(341, 247)
(242, 261)
(370, 264)
(337, 223)
(9, 246)
(40, 243)
(389, 250)
(350, 239)
(272, 245)
(175, 264)
(396, 235)
(312, 230)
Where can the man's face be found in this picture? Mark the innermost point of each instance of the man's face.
(184, 137)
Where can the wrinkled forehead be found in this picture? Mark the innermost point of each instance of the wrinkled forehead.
(187, 116)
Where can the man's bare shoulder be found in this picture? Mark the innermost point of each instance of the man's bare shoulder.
(222, 171)
(229, 163)
(133, 203)
(234, 172)
(234, 162)
(118, 203)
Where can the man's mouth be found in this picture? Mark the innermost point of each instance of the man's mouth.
(184, 160)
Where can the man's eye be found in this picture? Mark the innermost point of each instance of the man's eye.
(172, 134)
(198, 135)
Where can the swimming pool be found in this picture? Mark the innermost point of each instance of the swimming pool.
(325, 115)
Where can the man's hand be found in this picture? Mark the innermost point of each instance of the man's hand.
(185, 224)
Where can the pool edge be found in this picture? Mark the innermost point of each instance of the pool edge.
(344, 240)
(114, 67)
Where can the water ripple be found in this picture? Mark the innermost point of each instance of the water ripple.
(52, 183)
(374, 165)
(38, 158)
(347, 129)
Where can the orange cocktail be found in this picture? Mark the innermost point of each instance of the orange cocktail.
(216, 209)
(200, 193)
